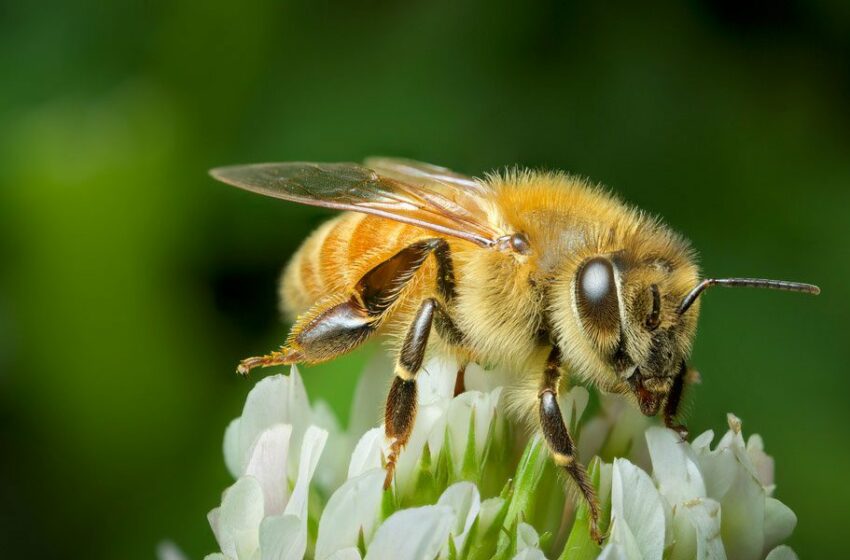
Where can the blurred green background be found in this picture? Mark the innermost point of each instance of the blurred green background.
(130, 282)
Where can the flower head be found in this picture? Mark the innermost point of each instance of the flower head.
(469, 485)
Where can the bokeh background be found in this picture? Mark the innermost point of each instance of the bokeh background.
(130, 282)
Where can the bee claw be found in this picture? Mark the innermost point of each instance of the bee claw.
(285, 356)
(597, 535)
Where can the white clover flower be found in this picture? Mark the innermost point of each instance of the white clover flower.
(700, 503)
(468, 486)
(454, 434)
(273, 449)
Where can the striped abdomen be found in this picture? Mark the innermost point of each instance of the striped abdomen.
(337, 254)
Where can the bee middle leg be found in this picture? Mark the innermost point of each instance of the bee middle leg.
(400, 412)
(558, 438)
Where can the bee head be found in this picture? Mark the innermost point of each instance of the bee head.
(625, 314)
(631, 321)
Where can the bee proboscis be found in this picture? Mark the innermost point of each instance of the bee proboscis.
(538, 271)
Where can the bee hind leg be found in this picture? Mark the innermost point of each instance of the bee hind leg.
(323, 333)
(340, 324)
(560, 443)
(284, 356)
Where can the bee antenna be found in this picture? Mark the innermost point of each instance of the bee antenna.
(746, 283)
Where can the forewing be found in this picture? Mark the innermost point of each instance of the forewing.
(420, 173)
(440, 206)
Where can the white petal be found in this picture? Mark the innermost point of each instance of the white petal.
(718, 467)
(354, 507)
(267, 464)
(430, 427)
(696, 531)
(701, 442)
(674, 466)
(762, 462)
(731, 479)
(324, 417)
(368, 453)
(490, 508)
(530, 554)
(412, 534)
(299, 414)
(239, 518)
(283, 537)
(481, 408)
(232, 450)
(526, 537)
(465, 500)
(636, 511)
(593, 434)
(743, 518)
(627, 429)
(277, 399)
(477, 378)
(311, 450)
(216, 556)
(779, 522)
(614, 551)
(212, 518)
(333, 468)
(782, 553)
(486, 408)
(573, 403)
(345, 554)
(367, 410)
(436, 381)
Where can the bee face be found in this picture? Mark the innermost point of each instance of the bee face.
(627, 311)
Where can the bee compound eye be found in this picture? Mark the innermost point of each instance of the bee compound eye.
(596, 281)
(597, 293)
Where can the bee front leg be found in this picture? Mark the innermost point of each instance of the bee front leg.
(559, 441)
(400, 412)
(674, 399)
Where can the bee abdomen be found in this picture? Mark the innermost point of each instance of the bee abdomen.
(336, 255)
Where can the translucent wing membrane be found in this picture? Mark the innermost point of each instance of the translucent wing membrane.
(423, 195)
(416, 172)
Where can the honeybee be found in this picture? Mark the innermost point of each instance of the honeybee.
(538, 271)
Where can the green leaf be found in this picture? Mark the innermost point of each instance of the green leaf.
(528, 475)
(425, 488)
(545, 540)
(388, 503)
(470, 468)
(579, 545)
(452, 549)
(573, 419)
(444, 474)
(507, 541)
(471, 538)
(487, 538)
(361, 543)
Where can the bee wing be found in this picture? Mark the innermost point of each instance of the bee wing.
(419, 194)
(420, 173)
